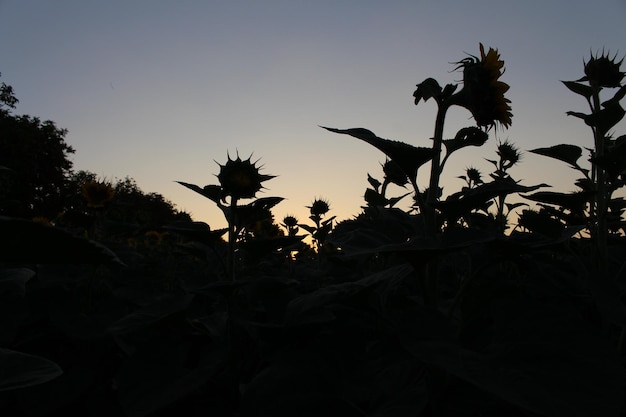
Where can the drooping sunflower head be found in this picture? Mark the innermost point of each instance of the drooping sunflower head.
(604, 71)
(319, 207)
(394, 174)
(97, 194)
(241, 178)
(483, 92)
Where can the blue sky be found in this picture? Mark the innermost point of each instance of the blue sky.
(159, 90)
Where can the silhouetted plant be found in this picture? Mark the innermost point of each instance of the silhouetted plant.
(608, 162)
(318, 209)
(239, 179)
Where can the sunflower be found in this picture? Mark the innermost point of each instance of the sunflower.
(483, 92)
(97, 194)
(603, 71)
(241, 178)
(319, 207)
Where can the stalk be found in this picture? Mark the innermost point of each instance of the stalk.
(599, 229)
(232, 238)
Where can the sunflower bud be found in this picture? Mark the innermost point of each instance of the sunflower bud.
(319, 207)
(509, 154)
(394, 174)
(603, 71)
(473, 175)
(241, 179)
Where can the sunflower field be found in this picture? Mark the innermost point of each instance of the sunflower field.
(469, 304)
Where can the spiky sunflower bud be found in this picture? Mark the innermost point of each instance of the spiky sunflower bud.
(603, 71)
(290, 221)
(319, 207)
(474, 175)
(241, 178)
(508, 153)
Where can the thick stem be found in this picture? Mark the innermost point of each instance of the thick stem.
(598, 212)
(232, 221)
(435, 170)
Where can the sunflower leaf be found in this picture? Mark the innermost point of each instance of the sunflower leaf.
(578, 88)
(564, 152)
(212, 192)
(467, 136)
(409, 158)
(574, 202)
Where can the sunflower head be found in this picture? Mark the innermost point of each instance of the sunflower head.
(508, 153)
(603, 71)
(473, 175)
(483, 92)
(319, 207)
(241, 178)
(97, 194)
(394, 174)
(290, 221)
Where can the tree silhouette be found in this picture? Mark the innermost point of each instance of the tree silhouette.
(35, 162)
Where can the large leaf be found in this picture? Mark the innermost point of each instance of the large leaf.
(257, 210)
(25, 241)
(409, 158)
(578, 88)
(564, 152)
(212, 192)
(19, 370)
(574, 202)
(197, 231)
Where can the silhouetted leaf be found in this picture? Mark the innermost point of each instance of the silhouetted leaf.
(373, 182)
(578, 88)
(540, 222)
(409, 158)
(212, 192)
(457, 205)
(565, 152)
(374, 198)
(574, 202)
(260, 247)
(467, 136)
(25, 241)
(427, 89)
(19, 370)
(196, 231)
(605, 119)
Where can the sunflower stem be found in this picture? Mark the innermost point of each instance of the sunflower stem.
(435, 169)
(599, 208)
(232, 237)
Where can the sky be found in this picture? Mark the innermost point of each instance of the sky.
(162, 91)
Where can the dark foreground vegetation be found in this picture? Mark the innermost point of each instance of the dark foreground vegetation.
(114, 304)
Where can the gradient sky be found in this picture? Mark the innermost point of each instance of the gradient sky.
(159, 90)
